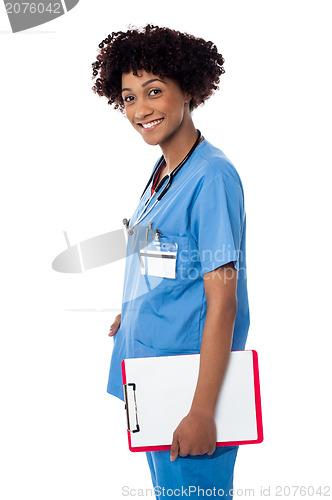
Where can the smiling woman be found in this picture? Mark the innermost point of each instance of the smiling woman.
(155, 107)
(197, 302)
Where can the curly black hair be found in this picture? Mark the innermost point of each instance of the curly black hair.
(194, 63)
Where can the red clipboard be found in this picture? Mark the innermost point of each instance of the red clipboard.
(155, 402)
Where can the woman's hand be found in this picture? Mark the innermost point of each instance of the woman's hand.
(115, 325)
(196, 434)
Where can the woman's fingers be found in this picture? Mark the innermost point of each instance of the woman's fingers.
(115, 325)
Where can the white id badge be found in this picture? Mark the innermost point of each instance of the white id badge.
(159, 259)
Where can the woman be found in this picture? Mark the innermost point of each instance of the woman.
(157, 77)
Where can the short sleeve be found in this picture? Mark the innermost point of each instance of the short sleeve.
(217, 220)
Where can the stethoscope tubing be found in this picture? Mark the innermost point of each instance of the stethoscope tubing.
(169, 178)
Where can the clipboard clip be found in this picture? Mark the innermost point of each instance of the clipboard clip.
(133, 394)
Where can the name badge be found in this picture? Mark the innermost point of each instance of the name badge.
(159, 259)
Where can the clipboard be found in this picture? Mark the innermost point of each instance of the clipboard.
(158, 393)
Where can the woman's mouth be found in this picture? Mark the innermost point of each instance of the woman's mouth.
(151, 125)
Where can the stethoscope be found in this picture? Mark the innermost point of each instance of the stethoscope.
(169, 177)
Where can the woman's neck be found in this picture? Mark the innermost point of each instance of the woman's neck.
(176, 147)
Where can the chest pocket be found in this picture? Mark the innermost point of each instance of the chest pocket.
(182, 267)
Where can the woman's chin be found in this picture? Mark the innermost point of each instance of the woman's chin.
(151, 141)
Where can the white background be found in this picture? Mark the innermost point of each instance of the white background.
(69, 162)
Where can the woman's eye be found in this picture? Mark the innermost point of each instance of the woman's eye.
(155, 90)
(128, 98)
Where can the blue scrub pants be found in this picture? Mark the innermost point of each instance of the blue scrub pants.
(193, 476)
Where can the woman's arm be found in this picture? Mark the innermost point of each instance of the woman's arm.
(196, 433)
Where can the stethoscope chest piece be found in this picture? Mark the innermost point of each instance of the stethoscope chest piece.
(126, 223)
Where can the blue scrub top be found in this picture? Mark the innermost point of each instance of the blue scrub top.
(204, 213)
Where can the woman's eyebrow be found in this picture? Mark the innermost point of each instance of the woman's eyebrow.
(147, 82)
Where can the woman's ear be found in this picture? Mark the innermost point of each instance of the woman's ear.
(187, 97)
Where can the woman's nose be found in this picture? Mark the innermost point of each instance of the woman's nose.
(142, 110)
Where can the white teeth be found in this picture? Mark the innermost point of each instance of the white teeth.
(150, 124)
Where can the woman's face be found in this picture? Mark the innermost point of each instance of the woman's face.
(156, 107)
